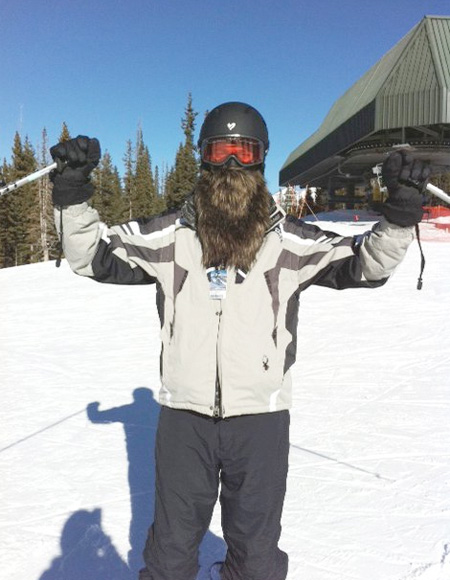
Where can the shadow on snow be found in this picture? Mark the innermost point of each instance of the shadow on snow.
(86, 551)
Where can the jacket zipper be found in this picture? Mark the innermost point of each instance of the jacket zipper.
(218, 387)
(218, 399)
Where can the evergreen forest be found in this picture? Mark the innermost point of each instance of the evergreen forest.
(27, 231)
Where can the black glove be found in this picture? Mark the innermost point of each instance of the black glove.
(75, 160)
(405, 179)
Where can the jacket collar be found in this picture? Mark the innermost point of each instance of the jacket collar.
(188, 216)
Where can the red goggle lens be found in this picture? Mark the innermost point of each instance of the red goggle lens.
(246, 151)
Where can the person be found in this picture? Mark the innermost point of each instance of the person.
(229, 269)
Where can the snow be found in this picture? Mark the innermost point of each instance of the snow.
(369, 486)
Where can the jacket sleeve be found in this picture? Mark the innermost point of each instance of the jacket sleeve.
(374, 258)
(383, 249)
(123, 254)
(335, 261)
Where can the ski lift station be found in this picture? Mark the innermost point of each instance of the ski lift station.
(402, 101)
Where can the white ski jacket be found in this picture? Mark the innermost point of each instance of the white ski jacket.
(230, 355)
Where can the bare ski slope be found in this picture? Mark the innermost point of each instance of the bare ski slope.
(369, 485)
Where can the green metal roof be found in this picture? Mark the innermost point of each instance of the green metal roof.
(407, 87)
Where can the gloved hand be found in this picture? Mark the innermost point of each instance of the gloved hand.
(76, 159)
(405, 179)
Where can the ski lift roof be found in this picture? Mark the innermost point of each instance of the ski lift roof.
(403, 98)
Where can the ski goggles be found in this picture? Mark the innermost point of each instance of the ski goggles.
(245, 150)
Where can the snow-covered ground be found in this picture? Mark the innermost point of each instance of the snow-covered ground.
(369, 485)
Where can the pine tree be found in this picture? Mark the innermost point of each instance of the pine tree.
(181, 180)
(48, 235)
(65, 134)
(31, 251)
(128, 180)
(4, 218)
(144, 203)
(164, 180)
(139, 182)
(160, 202)
(20, 219)
(157, 181)
(108, 198)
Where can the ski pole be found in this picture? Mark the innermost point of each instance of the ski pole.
(438, 192)
(27, 179)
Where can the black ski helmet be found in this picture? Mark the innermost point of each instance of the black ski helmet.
(234, 119)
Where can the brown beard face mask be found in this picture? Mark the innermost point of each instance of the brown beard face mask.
(232, 207)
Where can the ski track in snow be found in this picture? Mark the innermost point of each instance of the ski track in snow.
(369, 486)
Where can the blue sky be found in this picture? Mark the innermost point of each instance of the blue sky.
(106, 66)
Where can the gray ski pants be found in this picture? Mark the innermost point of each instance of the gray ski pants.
(246, 457)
